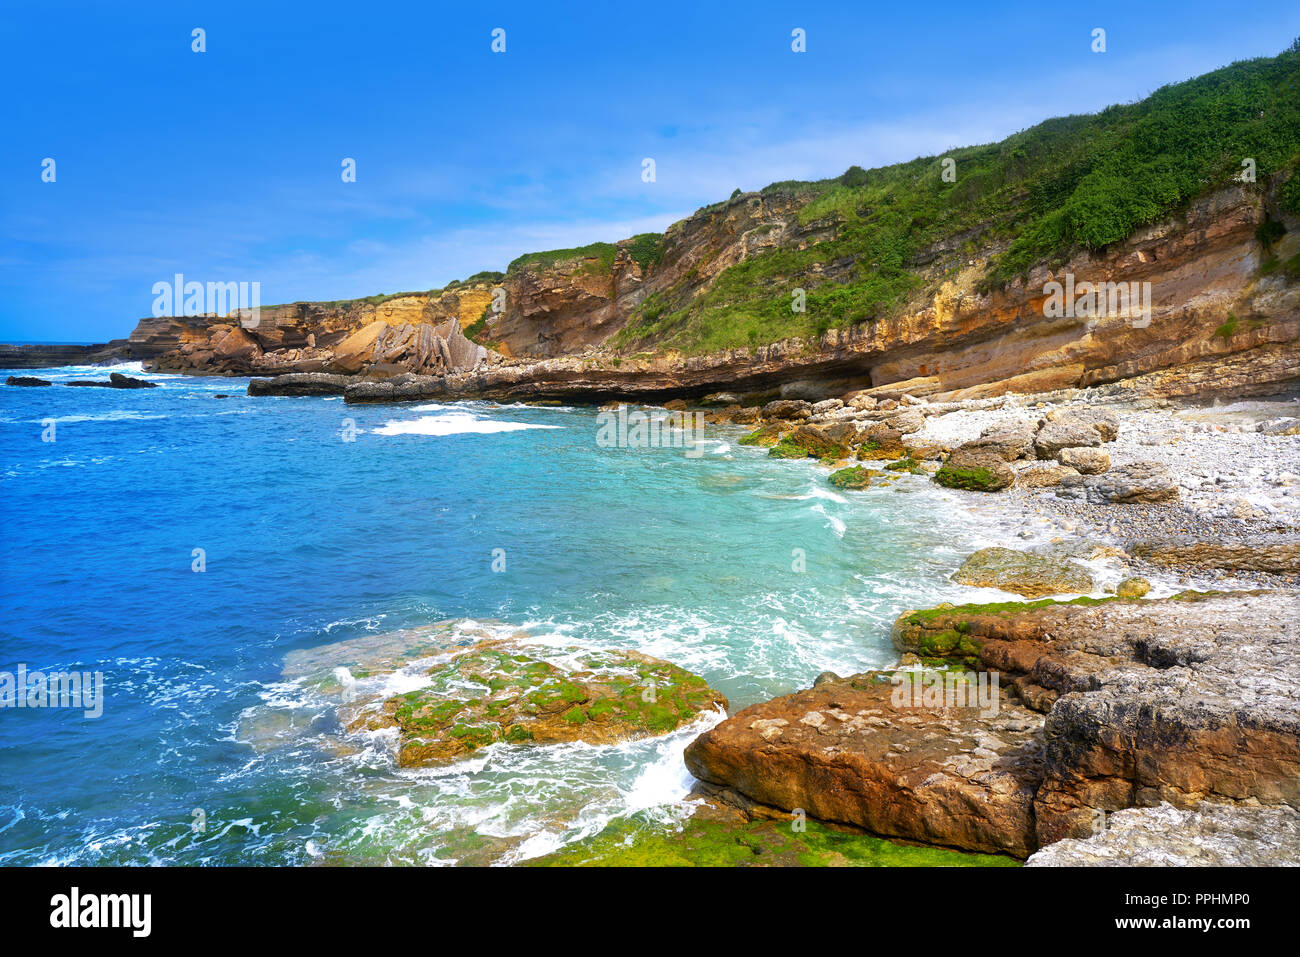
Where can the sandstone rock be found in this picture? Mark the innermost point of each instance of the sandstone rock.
(1180, 700)
(1024, 573)
(1086, 461)
(787, 409)
(1008, 442)
(1042, 475)
(976, 471)
(236, 345)
(845, 752)
(881, 442)
(1139, 482)
(747, 414)
(807, 441)
(1055, 436)
(1104, 421)
(300, 383)
(1133, 588)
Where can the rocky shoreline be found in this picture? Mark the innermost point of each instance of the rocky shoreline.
(1176, 713)
(1145, 562)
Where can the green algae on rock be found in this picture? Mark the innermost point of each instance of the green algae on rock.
(975, 471)
(1132, 588)
(710, 839)
(503, 691)
(1023, 573)
(764, 436)
(807, 441)
(853, 477)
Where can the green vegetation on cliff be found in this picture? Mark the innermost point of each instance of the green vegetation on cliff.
(1065, 185)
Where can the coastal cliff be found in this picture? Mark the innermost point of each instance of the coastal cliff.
(1157, 242)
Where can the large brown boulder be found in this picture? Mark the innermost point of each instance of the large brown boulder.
(846, 752)
(975, 470)
(1173, 700)
(807, 441)
(881, 442)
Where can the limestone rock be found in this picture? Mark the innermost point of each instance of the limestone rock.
(1085, 461)
(1209, 835)
(300, 383)
(1139, 482)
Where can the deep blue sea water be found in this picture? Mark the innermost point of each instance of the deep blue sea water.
(310, 539)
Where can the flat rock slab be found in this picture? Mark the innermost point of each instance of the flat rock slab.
(1210, 835)
(507, 691)
(1178, 700)
(1024, 573)
(845, 752)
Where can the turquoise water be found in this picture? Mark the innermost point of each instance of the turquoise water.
(310, 539)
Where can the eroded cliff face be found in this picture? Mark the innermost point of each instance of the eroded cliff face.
(420, 332)
(576, 303)
(1220, 320)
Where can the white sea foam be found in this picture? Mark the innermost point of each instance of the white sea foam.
(117, 415)
(833, 522)
(454, 423)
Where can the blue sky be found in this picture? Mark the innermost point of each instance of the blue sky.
(225, 165)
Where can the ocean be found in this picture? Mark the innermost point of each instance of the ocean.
(183, 544)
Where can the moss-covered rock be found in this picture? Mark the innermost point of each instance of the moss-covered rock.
(1132, 588)
(764, 436)
(853, 477)
(975, 471)
(1023, 573)
(807, 441)
(712, 839)
(498, 691)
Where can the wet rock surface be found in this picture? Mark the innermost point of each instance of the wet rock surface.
(497, 692)
(1033, 576)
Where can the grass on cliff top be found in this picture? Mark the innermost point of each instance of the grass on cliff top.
(1038, 196)
(646, 249)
